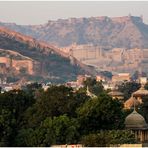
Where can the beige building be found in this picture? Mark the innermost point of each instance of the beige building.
(121, 77)
(26, 64)
(115, 59)
(85, 52)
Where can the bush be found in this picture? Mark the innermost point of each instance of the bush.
(108, 138)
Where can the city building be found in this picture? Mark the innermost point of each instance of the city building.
(121, 77)
(100, 78)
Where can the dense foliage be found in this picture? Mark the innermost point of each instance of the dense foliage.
(94, 86)
(127, 88)
(60, 115)
(108, 138)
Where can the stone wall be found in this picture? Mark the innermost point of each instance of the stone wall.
(18, 64)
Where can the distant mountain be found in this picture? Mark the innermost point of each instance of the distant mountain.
(127, 31)
(23, 56)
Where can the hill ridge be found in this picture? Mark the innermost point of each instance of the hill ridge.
(103, 31)
(44, 61)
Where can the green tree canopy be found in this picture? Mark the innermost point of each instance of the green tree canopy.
(127, 88)
(108, 138)
(60, 115)
(56, 101)
(59, 130)
(94, 86)
(12, 106)
(100, 113)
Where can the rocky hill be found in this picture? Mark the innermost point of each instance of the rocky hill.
(23, 56)
(127, 31)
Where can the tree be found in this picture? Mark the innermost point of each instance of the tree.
(136, 75)
(127, 88)
(108, 138)
(59, 115)
(107, 74)
(146, 86)
(94, 86)
(59, 130)
(56, 101)
(143, 108)
(12, 106)
(65, 129)
(23, 70)
(32, 87)
(7, 126)
(100, 113)
(94, 140)
(79, 97)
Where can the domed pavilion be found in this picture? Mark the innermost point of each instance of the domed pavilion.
(140, 93)
(138, 125)
(115, 94)
(131, 103)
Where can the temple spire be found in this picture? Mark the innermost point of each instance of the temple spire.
(90, 94)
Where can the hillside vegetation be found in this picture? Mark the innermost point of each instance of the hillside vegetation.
(47, 62)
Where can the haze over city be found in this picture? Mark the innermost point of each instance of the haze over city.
(38, 12)
(73, 74)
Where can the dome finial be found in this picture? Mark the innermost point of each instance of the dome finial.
(134, 104)
(89, 93)
(87, 90)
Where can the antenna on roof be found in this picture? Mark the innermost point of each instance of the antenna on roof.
(134, 102)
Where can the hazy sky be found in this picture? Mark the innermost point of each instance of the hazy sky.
(32, 12)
